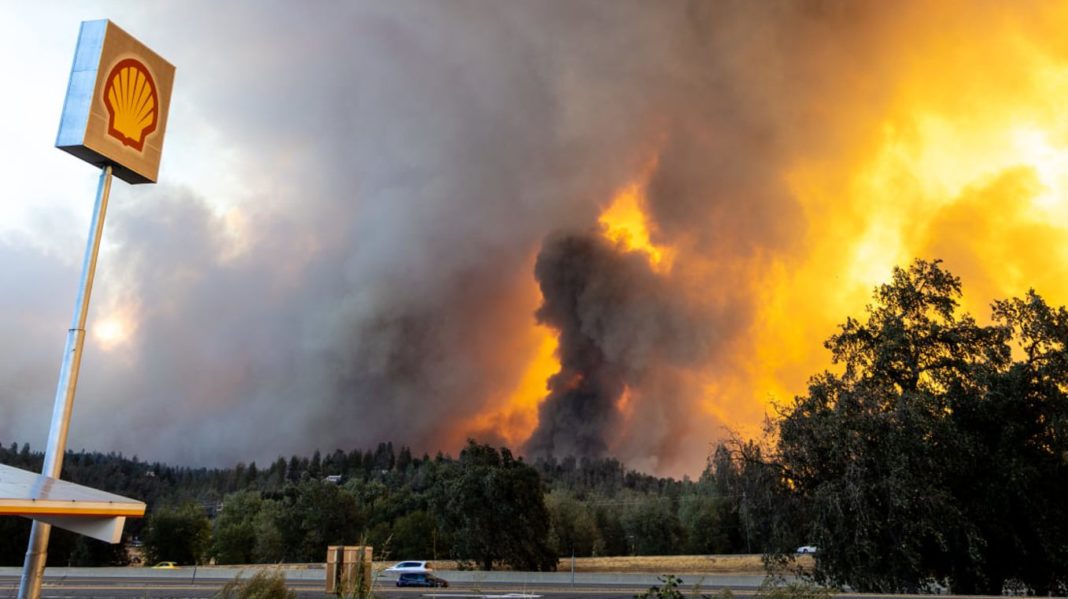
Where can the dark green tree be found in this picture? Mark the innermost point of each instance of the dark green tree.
(314, 515)
(1019, 425)
(699, 515)
(652, 525)
(414, 534)
(269, 547)
(572, 529)
(723, 477)
(90, 552)
(234, 537)
(493, 505)
(178, 534)
(932, 455)
(611, 537)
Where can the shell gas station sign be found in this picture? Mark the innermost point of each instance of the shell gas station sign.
(117, 100)
(114, 117)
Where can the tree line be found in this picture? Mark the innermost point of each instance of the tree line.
(485, 507)
(932, 455)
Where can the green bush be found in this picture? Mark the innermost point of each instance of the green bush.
(669, 590)
(263, 585)
(792, 590)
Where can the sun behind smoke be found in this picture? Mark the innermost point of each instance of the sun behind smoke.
(114, 330)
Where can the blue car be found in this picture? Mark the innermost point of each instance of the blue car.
(421, 580)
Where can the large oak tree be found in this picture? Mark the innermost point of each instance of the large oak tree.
(936, 454)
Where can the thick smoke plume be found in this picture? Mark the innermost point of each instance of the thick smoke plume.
(580, 411)
(366, 209)
(618, 322)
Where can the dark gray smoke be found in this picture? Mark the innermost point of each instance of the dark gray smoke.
(619, 322)
(342, 247)
(580, 411)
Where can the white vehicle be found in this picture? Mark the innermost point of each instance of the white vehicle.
(409, 568)
(805, 549)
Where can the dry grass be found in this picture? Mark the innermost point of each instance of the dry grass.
(666, 564)
(675, 564)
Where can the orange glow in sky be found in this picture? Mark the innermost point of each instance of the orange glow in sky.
(625, 223)
(518, 415)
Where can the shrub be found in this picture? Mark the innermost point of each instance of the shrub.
(263, 585)
(792, 590)
(669, 590)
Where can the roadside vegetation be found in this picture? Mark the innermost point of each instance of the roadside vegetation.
(262, 585)
(936, 455)
(933, 455)
(673, 587)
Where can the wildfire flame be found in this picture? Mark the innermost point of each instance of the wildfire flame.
(968, 164)
(964, 158)
(517, 416)
(625, 222)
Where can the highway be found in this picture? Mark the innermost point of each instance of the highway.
(129, 588)
(63, 583)
(130, 583)
(105, 587)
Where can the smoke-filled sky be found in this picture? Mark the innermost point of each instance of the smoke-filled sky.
(594, 228)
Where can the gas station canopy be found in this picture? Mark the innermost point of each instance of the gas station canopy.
(74, 507)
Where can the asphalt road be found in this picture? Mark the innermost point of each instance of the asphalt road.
(156, 588)
(104, 587)
(310, 582)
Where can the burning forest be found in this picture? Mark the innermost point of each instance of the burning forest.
(586, 229)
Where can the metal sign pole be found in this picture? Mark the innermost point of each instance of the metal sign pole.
(37, 549)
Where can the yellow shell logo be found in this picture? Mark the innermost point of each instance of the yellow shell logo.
(133, 107)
